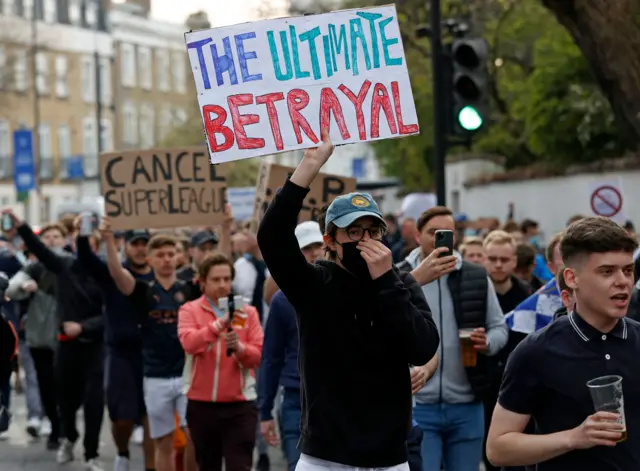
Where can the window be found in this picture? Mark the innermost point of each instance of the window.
(20, 69)
(178, 67)
(3, 66)
(105, 80)
(64, 142)
(50, 11)
(89, 138)
(129, 124)
(42, 73)
(147, 126)
(146, 68)
(106, 138)
(88, 79)
(162, 70)
(90, 12)
(358, 167)
(5, 139)
(44, 141)
(165, 123)
(127, 65)
(74, 12)
(27, 8)
(9, 7)
(62, 89)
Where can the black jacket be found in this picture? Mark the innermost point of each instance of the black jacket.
(357, 339)
(78, 295)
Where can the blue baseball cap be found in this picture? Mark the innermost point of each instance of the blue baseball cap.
(203, 237)
(346, 209)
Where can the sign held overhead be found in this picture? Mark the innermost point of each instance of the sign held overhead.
(273, 85)
(162, 188)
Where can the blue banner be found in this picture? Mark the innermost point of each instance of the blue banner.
(75, 167)
(24, 168)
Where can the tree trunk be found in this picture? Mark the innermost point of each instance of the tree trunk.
(609, 37)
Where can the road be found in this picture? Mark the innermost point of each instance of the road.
(19, 452)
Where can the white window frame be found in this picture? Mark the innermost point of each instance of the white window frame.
(50, 12)
(130, 134)
(178, 67)
(9, 7)
(105, 80)
(21, 70)
(89, 138)
(147, 126)
(90, 13)
(162, 70)
(43, 77)
(27, 8)
(3, 67)
(106, 135)
(127, 65)
(88, 79)
(74, 12)
(145, 68)
(44, 141)
(61, 70)
(5, 139)
(65, 147)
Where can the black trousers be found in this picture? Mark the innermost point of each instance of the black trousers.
(80, 368)
(44, 363)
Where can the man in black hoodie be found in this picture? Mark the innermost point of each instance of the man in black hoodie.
(361, 324)
(79, 359)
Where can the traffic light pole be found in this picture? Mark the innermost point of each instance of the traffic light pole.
(439, 110)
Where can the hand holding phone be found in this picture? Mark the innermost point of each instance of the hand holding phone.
(444, 238)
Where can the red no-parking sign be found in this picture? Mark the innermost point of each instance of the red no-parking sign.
(606, 200)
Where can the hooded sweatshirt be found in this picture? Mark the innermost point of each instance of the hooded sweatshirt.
(450, 383)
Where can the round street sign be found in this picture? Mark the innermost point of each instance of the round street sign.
(606, 200)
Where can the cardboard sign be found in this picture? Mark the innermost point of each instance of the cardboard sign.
(162, 188)
(273, 85)
(324, 189)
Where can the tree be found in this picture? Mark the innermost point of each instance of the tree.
(608, 35)
(546, 105)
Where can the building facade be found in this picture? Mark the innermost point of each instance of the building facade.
(90, 76)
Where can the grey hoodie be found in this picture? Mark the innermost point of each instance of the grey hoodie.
(450, 384)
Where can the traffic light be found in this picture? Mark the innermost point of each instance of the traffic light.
(469, 85)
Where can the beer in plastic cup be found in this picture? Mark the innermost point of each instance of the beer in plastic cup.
(467, 350)
(606, 393)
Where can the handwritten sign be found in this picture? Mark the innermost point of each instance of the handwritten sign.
(324, 189)
(272, 85)
(162, 188)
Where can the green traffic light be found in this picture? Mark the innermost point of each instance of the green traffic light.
(469, 119)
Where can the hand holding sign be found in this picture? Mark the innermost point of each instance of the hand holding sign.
(313, 161)
(105, 229)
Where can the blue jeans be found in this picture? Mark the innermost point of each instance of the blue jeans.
(452, 435)
(290, 412)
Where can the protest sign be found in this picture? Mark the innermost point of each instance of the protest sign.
(324, 189)
(272, 85)
(162, 188)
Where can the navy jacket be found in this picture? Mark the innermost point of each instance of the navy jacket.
(279, 364)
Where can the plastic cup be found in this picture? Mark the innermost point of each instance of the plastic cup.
(606, 393)
(467, 350)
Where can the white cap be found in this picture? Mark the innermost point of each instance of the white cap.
(308, 233)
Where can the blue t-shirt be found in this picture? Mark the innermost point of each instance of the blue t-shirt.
(162, 353)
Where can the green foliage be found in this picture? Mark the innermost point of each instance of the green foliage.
(546, 106)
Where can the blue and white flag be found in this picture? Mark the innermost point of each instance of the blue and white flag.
(537, 310)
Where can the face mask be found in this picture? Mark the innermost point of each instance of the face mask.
(353, 261)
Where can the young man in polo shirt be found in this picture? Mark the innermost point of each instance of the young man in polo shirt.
(157, 303)
(547, 373)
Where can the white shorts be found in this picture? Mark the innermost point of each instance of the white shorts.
(164, 398)
(309, 463)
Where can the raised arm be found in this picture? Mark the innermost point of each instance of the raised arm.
(50, 260)
(297, 279)
(91, 261)
(21, 286)
(121, 277)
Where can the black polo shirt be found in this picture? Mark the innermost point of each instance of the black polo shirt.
(546, 377)
(162, 353)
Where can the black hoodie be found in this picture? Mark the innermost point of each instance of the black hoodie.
(78, 295)
(356, 340)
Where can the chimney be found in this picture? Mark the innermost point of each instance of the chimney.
(145, 6)
(198, 20)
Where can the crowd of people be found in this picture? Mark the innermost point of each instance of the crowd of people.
(352, 342)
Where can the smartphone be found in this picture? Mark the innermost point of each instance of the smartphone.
(86, 224)
(444, 238)
(7, 222)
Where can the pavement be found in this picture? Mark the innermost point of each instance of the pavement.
(20, 452)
